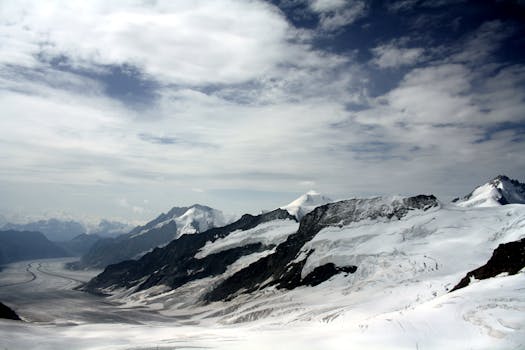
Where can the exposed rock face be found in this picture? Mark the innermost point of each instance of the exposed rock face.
(325, 272)
(508, 257)
(7, 313)
(176, 264)
(282, 268)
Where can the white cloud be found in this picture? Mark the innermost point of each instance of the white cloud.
(173, 42)
(245, 102)
(392, 56)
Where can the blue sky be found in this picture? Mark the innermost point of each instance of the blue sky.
(124, 109)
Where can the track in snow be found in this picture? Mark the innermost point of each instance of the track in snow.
(31, 279)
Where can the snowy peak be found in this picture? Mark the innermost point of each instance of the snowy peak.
(499, 191)
(306, 203)
(199, 218)
(158, 232)
(188, 220)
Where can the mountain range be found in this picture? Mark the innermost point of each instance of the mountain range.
(58, 230)
(291, 262)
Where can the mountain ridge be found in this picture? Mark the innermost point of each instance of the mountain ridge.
(27, 245)
(144, 238)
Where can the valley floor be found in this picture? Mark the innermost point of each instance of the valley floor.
(487, 315)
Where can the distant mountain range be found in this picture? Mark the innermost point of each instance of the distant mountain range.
(388, 246)
(27, 245)
(57, 230)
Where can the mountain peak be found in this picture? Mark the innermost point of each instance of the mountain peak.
(306, 203)
(500, 190)
(192, 219)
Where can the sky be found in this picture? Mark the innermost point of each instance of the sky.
(124, 109)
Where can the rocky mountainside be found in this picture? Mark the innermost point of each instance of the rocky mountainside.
(180, 262)
(499, 191)
(26, 245)
(158, 232)
(275, 261)
(507, 258)
(284, 267)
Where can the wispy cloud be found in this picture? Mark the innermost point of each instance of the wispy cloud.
(334, 14)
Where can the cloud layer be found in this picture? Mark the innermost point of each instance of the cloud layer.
(129, 107)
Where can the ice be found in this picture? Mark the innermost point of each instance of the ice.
(269, 234)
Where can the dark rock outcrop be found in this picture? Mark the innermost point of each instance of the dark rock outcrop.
(175, 264)
(325, 272)
(507, 257)
(7, 313)
(282, 269)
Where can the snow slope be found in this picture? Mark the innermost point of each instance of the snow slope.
(269, 234)
(489, 316)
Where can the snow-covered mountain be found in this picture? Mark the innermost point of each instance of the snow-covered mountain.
(306, 203)
(499, 191)
(198, 256)
(377, 263)
(189, 220)
(272, 246)
(158, 232)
